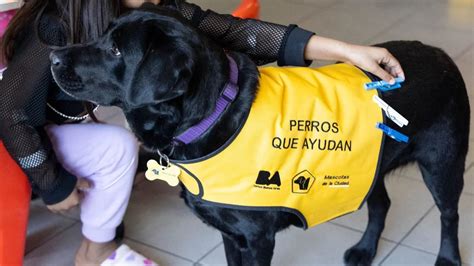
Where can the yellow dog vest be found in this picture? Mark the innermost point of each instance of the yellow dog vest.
(309, 146)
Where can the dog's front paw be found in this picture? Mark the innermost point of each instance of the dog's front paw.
(440, 261)
(359, 256)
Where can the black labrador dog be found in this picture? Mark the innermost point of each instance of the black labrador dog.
(165, 75)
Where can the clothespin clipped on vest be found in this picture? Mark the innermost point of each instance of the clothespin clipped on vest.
(392, 133)
(396, 117)
(384, 85)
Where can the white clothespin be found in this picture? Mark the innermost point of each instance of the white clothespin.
(390, 112)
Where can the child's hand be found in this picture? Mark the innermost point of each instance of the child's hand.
(73, 199)
(366, 57)
(370, 58)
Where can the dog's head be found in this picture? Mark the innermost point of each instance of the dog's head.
(143, 58)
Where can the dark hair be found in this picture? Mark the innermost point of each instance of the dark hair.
(84, 20)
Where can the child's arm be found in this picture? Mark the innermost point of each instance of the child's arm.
(263, 42)
(366, 57)
(267, 42)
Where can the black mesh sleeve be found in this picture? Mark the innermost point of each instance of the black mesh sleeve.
(264, 42)
(23, 94)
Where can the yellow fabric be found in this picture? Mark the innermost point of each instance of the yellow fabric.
(333, 106)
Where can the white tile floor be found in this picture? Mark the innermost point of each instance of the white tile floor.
(160, 226)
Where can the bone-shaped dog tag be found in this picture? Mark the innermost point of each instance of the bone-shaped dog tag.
(169, 173)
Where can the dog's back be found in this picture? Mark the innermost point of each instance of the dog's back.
(435, 100)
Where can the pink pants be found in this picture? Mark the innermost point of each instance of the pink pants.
(107, 156)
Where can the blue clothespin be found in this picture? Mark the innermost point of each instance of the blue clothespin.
(384, 85)
(392, 133)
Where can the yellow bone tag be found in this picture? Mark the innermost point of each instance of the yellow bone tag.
(169, 174)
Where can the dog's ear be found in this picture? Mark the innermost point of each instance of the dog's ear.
(166, 66)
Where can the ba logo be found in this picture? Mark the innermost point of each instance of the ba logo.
(265, 180)
(302, 182)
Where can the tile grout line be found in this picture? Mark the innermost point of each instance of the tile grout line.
(426, 252)
(70, 218)
(58, 214)
(468, 193)
(158, 249)
(418, 249)
(209, 252)
(469, 167)
(407, 234)
(360, 231)
(422, 182)
(52, 237)
(410, 178)
(390, 252)
(463, 52)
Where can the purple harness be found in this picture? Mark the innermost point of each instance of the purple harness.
(227, 97)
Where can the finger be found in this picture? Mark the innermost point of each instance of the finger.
(393, 66)
(83, 184)
(69, 206)
(81, 195)
(53, 210)
(395, 73)
(74, 201)
(381, 73)
(398, 72)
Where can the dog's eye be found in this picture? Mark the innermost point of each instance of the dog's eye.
(115, 51)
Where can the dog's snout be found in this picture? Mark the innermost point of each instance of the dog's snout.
(54, 58)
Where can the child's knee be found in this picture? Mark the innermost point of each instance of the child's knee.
(122, 154)
(123, 145)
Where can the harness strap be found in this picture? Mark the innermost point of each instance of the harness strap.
(227, 96)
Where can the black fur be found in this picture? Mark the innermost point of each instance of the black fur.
(168, 76)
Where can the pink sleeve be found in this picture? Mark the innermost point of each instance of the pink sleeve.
(5, 18)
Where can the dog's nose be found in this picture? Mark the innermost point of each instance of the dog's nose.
(55, 61)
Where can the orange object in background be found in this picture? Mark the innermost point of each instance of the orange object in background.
(248, 9)
(15, 195)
